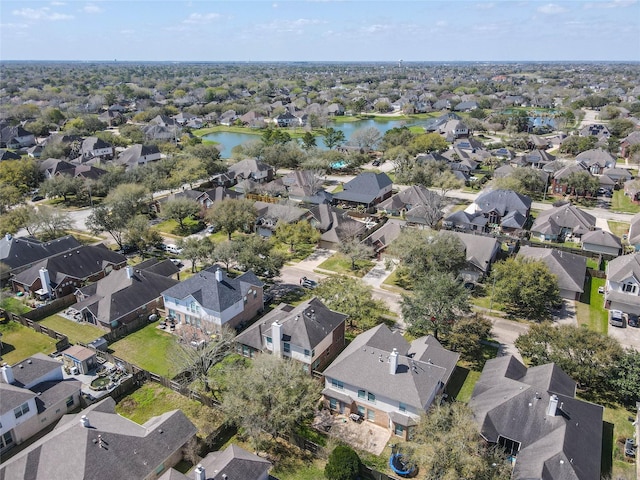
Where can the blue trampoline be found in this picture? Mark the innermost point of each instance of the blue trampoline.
(399, 466)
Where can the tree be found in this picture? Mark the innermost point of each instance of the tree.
(519, 121)
(111, 219)
(199, 361)
(179, 209)
(257, 253)
(590, 358)
(139, 233)
(428, 143)
(366, 138)
(421, 252)
(333, 137)
(53, 223)
(308, 141)
(526, 181)
(226, 252)
(446, 180)
(22, 174)
(526, 287)
(230, 215)
(582, 183)
(450, 447)
(466, 335)
(577, 144)
(355, 250)
(626, 378)
(343, 464)
(194, 249)
(354, 298)
(358, 105)
(128, 197)
(396, 137)
(9, 195)
(17, 218)
(296, 233)
(272, 396)
(437, 300)
(61, 186)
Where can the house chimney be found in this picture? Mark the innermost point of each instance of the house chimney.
(7, 374)
(200, 473)
(84, 421)
(45, 280)
(393, 362)
(276, 334)
(219, 275)
(129, 270)
(553, 405)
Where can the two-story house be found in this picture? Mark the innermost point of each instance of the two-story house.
(622, 290)
(211, 299)
(366, 189)
(34, 395)
(386, 380)
(560, 223)
(96, 149)
(310, 333)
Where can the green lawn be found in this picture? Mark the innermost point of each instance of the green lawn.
(149, 348)
(20, 342)
(152, 399)
(76, 332)
(171, 227)
(462, 382)
(590, 309)
(618, 228)
(342, 265)
(613, 442)
(621, 203)
(15, 305)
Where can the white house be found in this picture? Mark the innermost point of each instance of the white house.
(622, 290)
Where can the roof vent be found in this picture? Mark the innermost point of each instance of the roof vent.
(84, 421)
(29, 361)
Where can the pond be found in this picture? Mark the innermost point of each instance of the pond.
(228, 140)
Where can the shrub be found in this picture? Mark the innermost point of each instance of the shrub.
(343, 464)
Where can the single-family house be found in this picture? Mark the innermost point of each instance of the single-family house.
(286, 119)
(34, 396)
(15, 137)
(33, 152)
(601, 241)
(233, 462)
(8, 155)
(559, 178)
(366, 189)
(569, 268)
(54, 166)
(622, 290)
(210, 299)
(20, 253)
(596, 160)
(138, 155)
(111, 118)
(94, 148)
(269, 214)
(634, 232)
(122, 296)
(383, 236)
(310, 333)
(250, 169)
(561, 223)
(481, 252)
(454, 129)
(534, 159)
(335, 225)
(162, 133)
(163, 121)
(61, 275)
(618, 175)
(386, 380)
(99, 444)
(627, 142)
(534, 415)
(596, 130)
(305, 186)
(417, 204)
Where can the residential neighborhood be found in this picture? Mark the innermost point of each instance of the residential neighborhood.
(240, 270)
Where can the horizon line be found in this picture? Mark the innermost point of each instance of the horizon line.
(317, 61)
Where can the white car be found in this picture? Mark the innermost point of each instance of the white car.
(171, 248)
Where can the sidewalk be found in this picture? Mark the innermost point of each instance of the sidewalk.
(377, 274)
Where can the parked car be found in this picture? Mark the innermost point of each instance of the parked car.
(376, 163)
(630, 447)
(632, 321)
(171, 248)
(617, 318)
(308, 283)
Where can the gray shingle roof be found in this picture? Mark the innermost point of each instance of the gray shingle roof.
(600, 237)
(503, 201)
(364, 188)
(18, 252)
(234, 462)
(511, 401)
(129, 451)
(306, 325)
(364, 363)
(552, 221)
(211, 294)
(569, 268)
(29, 371)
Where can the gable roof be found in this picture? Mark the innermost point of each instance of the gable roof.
(306, 325)
(571, 269)
(408, 198)
(502, 201)
(245, 168)
(634, 230)
(552, 221)
(211, 294)
(364, 364)
(480, 250)
(27, 372)
(621, 268)
(112, 447)
(364, 188)
(18, 252)
(603, 238)
(510, 401)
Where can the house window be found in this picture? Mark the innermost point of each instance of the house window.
(287, 348)
(629, 288)
(313, 353)
(269, 341)
(361, 411)
(398, 430)
(70, 401)
(306, 352)
(371, 415)
(361, 394)
(6, 440)
(305, 368)
(316, 364)
(21, 410)
(337, 384)
(402, 407)
(333, 404)
(371, 397)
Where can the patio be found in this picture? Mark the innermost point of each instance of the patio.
(362, 435)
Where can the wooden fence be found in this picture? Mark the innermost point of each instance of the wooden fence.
(62, 341)
(54, 306)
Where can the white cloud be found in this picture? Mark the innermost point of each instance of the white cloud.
(57, 4)
(551, 9)
(611, 4)
(13, 26)
(296, 26)
(441, 23)
(44, 13)
(201, 18)
(90, 8)
(485, 5)
(275, 5)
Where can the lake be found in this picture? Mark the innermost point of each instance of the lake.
(228, 140)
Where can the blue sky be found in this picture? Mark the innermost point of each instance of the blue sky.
(320, 30)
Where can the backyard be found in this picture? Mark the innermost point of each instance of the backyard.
(76, 332)
(20, 342)
(149, 348)
(590, 309)
(621, 203)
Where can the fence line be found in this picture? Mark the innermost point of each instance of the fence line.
(62, 341)
(51, 307)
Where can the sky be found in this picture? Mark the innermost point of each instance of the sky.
(320, 30)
